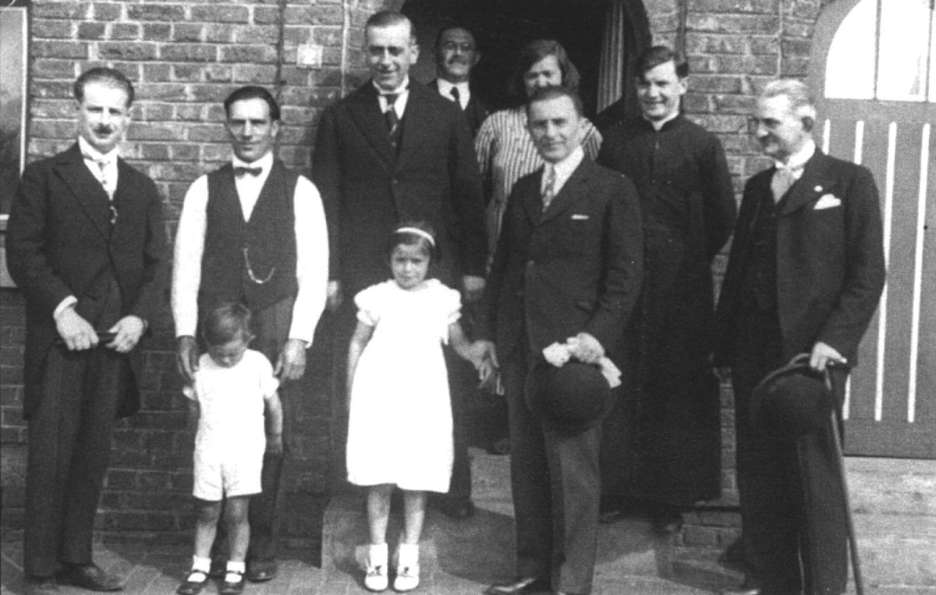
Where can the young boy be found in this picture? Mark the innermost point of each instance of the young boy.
(233, 387)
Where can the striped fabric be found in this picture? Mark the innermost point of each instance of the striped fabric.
(506, 153)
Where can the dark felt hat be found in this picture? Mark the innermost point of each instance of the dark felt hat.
(792, 401)
(572, 398)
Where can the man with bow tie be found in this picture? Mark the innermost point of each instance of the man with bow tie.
(86, 246)
(393, 151)
(254, 232)
(805, 274)
(456, 55)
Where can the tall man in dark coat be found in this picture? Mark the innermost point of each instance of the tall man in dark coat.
(394, 151)
(254, 232)
(662, 443)
(805, 274)
(86, 245)
(456, 55)
(568, 264)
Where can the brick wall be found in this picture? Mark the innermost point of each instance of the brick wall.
(184, 58)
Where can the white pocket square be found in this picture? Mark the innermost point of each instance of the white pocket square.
(827, 201)
(579, 217)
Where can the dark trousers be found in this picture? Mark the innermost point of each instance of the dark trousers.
(791, 496)
(462, 382)
(556, 489)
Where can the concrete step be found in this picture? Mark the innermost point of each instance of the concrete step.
(892, 486)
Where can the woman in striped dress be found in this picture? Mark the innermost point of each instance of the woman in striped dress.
(504, 148)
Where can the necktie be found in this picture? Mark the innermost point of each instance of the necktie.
(549, 175)
(456, 96)
(107, 180)
(783, 179)
(390, 115)
(253, 171)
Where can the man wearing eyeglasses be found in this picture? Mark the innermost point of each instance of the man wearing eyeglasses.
(456, 56)
(254, 232)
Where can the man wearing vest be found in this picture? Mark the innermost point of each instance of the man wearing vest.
(254, 232)
(456, 56)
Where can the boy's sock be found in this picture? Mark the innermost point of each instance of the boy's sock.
(235, 571)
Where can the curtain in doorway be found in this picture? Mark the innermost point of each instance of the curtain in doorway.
(626, 35)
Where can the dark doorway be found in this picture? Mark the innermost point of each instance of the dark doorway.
(503, 26)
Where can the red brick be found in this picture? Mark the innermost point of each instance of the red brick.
(59, 10)
(168, 91)
(250, 54)
(187, 32)
(258, 34)
(218, 72)
(188, 112)
(157, 32)
(122, 50)
(109, 11)
(157, 73)
(155, 12)
(215, 13)
(124, 31)
(188, 52)
(59, 49)
(727, 23)
(252, 73)
(219, 33)
(42, 28)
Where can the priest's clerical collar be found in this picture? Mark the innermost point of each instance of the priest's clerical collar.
(659, 124)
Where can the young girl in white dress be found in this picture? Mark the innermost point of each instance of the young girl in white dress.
(400, 419)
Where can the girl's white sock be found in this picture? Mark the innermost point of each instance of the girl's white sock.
(377, 554)
(408, 554)
(201, 564)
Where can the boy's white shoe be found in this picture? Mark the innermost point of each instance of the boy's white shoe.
(407, 570)
(376, 578)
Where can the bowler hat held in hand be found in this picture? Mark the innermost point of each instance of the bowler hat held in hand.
(793, 400)
(570, 398)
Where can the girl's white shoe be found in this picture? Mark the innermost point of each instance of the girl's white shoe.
(407, 570)
(376, 578)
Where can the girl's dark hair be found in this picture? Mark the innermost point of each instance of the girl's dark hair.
(532, 53)
(409, 238)
(225, 323)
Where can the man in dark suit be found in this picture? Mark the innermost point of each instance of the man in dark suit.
(662, 444)
(456, 55)
(805, 275)
(86, 246)
(394, 151)
(568, 264)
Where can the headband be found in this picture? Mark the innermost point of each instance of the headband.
(419, 232)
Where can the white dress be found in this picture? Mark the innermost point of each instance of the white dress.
(400, 421)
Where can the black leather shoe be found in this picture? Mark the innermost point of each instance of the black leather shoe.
(232, 587)
(261, 571)
(40, 585)
(90, 577)
(528, 584)
(456, 508)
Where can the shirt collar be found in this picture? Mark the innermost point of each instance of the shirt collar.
(659, 124)
(445, 88)
(399, 91)
(797, 161)
(265, 163)
(92, 154)
(565, 167)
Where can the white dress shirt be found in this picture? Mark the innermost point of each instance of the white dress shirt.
(464, 91)
(563, 170)
(797, 161)
(402, 93)
(311, 249)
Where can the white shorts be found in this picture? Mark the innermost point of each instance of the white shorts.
(219, 476)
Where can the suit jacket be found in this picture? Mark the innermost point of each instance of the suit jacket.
(830, 261)
(367, 190)
(475, 111)
(575, 267)
(59, 242)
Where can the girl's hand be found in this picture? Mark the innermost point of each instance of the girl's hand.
(274, 443)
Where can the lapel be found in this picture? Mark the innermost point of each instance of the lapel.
(814, 182)
(366, 115)
(572, 189)
(84, 187)
(532, 201)
(415, 120)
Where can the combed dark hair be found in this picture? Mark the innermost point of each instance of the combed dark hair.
(532, 53)
(660, 54)
(225, 323)
(389, 18)
(102, 74)
(406, 238)
(448, 26)
(252, 92)
(553, 93)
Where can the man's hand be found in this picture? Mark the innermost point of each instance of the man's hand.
(586, 348)
(187, 357)
(291, 363)
(474, 288)
(824, 354)
(128, 331)
(334, 298)
(75, 331)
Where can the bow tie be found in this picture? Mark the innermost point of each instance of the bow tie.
(241, 170)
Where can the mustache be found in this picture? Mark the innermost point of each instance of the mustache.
(103, 129)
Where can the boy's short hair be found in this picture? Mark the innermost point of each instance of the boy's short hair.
(413, 233)
(225, 323)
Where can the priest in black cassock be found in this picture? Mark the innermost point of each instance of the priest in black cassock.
(662, 444)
